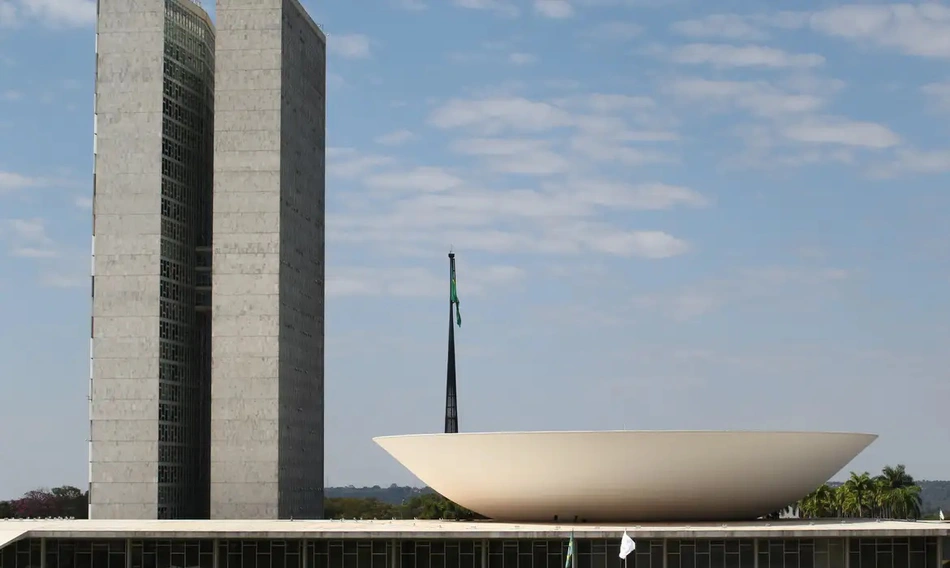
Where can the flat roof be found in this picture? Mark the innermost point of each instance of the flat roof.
(11, 530)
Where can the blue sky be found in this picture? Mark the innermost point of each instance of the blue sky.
(670, 215)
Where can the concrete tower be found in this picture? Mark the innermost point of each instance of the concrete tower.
(149, 447)
(268, 262)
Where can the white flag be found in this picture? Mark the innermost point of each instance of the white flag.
(941, 515)
(626, 545)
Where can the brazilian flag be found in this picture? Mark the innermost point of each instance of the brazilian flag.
(454, 298)
(570, 553)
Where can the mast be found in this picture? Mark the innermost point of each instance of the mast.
(451, 396)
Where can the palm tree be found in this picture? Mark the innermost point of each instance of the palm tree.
(859, 494)
(819, 503)
(892, 494)
(898, 494)
(897, 476)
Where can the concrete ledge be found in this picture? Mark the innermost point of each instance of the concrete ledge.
(440, 530)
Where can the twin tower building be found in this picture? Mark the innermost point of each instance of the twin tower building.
(206, 394)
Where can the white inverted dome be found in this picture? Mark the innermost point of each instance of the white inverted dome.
(627, 475)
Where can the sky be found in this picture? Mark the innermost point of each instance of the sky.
(667, 214)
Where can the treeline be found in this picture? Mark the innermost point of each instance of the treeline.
(65, 501)
(341, 503)
(420, 505)
(892, 494)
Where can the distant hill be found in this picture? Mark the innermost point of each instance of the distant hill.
(394, 494)
(934, 494)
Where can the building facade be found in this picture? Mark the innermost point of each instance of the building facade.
(268, 263)
(207, 401)
(150, 377)
(835, 546)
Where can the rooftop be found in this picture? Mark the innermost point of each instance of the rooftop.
(11, 530)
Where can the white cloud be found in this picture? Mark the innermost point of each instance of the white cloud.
(350, 46)
(915, 29)
(784, 283)
(27, 238)
(843, 132)
(8, 14)
(346, 163)
(515, 156)
(554, 8)
(913, 161)
(596, 128)
(394, 138)
(724, 56)
(83, 202)
(500, 7)
(760, 98)
(416, 281)
(789, 127)
(418, 208)
(535, 177)
(522, 58)
(10, 181)
(644, 244)
(939, 93)
(51, 13)
(680, 306)
(645, 197)
(63, 280)
(499, 113)
(612, 103)
(600, 149)
(10, 95)
(423, 178)
(724, 26)
(612, 32)
(411, 5)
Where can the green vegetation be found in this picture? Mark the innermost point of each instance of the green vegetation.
(426, 505)
(65, 501)
(894, 494)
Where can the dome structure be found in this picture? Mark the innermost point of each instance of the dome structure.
(620, 476)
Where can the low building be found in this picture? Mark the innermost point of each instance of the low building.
(451, 544)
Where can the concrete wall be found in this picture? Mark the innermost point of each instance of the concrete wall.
(266, 385)
(124, 389)
(303, 132)
(246, 260)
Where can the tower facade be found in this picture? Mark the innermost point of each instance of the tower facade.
(150, 351)
(268, 262)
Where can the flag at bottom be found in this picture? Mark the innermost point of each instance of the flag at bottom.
(626, 545)
(570, 553)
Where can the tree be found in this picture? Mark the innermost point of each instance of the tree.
(892, 494)
(861, 494)
(35, 504)
(435, 506)
(356, 508)
(71, 501)
(65, 501)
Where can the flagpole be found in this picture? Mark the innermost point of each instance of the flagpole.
(451, 394)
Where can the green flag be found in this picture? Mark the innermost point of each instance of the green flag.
(454, 298)
(570, 553)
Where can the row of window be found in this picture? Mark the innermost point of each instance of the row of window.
(235, 553)
(176, 210)
(176, 231)
(172, 130)
(188, 26)
(188, 177)
(176, 311)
